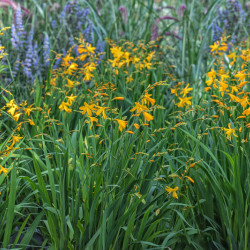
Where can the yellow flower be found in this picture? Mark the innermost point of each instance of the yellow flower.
(215, 46)
(147, 117)
(127, 58)
(87, 108)
(138, 108)
(130, 132)
(101, 110)
(82, 57)
(65, 106)
(174, 91)
(246, 112)
(122, 124)
(233, 57)
(118, 98)
(12, 110)
(150, 56)
(87, 76)
(129, 78)
(28, 110)
(184, 101)
(147, 98)
(89, 67)
(71, 68)
(244, 101)
(16, 116)
(71, 99)
(234, 89)
(15, 138)
(86, 48)
(136, 126)
(147, 64)
(70, 83)
(229, 131)
(3, 170)
(211, 74)
(92, 119)
(173, 191)
(189, 178)
(117, 52)
(240, 75)
(67, 59)
(31, 122)
(186, 90)
(13, 107)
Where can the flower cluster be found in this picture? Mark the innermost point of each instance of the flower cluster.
(228, 87)
(20, 115)
(84, 63)
(126, 55)
(2, 52)
(181, 92)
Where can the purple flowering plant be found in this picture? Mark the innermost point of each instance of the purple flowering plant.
(32, 45)
(232, 20)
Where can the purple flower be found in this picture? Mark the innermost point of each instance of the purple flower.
(27, 65)
(57, 64)
(36, 64)
(14, 38)
(19, 26)
(230, 21)
(54, 24)
(46, 51)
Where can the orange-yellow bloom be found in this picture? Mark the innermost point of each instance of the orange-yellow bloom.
(190, 179)
(118, 98)
(71, 99)
(173, 191)
(147, 98)
(246, 112)
(186, 90)
(72, 67)
(67, 59)
(87, 108)
(92, 120)
(101, 110)
(65, 106)
(130, 132)
(147, 117)
(3, 170)
(122, 124)
(70, 83)
(16, 116)
(138, 108)
(28, 110)
(184, 102)
(136, 125)
(230, 131)
(15, 138)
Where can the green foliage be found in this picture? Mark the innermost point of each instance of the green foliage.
(73, 185)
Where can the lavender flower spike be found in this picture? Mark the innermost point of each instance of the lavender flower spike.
(27, 67)
(46, 51)
(19, 26)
